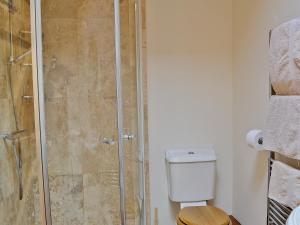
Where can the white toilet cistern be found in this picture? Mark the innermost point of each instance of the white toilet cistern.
(191, 175)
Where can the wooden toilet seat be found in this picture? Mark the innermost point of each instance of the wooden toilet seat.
(202, 215)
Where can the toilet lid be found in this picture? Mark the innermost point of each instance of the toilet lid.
(203, 215)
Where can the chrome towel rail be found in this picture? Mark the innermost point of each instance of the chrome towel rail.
(277, 212)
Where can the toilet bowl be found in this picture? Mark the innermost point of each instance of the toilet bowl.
(202, 215)
(294, 218)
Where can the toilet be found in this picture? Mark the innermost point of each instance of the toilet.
(191, 175)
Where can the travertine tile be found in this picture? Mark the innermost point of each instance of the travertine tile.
(3, 87)
(59, 156)
(7, 168)
(60, 55)
(66, 194)
(5, 112)
(103, 158)
(61, 9)
(8, 210)
(96, 9)
(109, 84)
(77, 116)
(101, 190)
(95, 41)
(56, 117)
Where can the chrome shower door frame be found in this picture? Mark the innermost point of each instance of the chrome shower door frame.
(140, 108)
(39, 104)
(120, 119)
(39, 110)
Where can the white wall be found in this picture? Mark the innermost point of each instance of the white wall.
(252, 21)
(190, 90)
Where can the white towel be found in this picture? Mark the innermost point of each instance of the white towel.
(285, 58)
(285, 185)
(282, 130)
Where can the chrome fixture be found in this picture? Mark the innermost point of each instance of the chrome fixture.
(19, 169)
(14, 138)
(25, 32)
(108, 141)
(18, 58)
(12, 135)
(128, 137)
(27, 97)
(277, 213)
(27, 64)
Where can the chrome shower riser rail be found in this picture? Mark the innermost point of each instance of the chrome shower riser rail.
(14, 138)
(18, 58)
(12, 135)
(277, 213)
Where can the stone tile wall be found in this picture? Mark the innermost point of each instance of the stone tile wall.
(80, 89)
(12, 210)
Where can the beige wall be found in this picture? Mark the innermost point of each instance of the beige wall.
(190, 90)
(252, 22)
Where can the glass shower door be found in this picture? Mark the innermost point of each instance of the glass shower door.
(80, 111)
(88, 175)
(132, 110)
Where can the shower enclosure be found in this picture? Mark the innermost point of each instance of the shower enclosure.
(72, 117)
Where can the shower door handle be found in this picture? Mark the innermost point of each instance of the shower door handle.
(128, 137)
(111, 141)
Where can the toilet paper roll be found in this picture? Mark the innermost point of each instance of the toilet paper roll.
(255, 139)
(192, 204)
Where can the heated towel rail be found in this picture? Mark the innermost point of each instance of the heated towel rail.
(277, 213)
